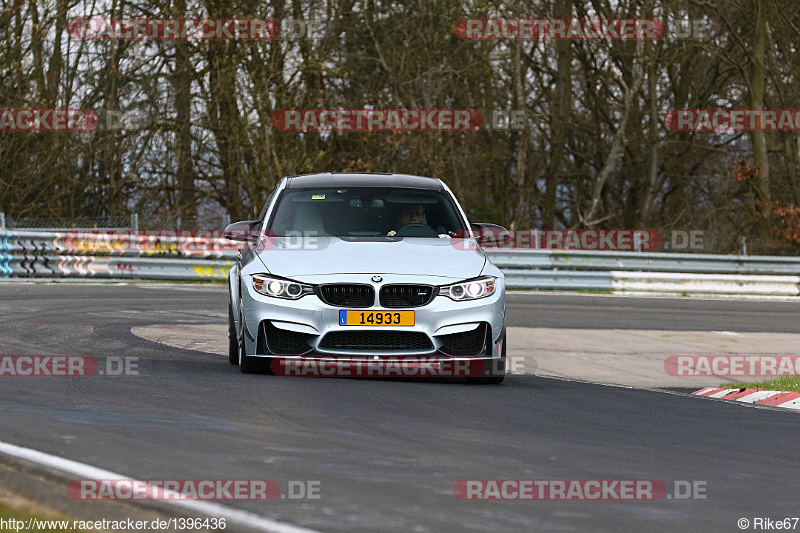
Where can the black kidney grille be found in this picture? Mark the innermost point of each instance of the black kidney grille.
(465, 343)
(278, 341)
(376, 340)
(345, 295)
(406, 295)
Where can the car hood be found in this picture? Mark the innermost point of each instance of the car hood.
(293, 257)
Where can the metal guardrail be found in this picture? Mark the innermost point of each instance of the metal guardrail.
(48, 266)
(704, 284)
(557, 280)
(35, 254)
(650, 272)
(124, 255)
(644, 261)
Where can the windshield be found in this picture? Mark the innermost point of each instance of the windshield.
(366, 212)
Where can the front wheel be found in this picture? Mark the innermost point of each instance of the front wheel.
(233, 342)
(248, 364)
(253, 365)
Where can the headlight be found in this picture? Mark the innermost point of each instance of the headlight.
(281, 288)
(470, 290)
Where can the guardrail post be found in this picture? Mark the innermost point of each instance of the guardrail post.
(2, 220)
(743, 246)
(135, 221)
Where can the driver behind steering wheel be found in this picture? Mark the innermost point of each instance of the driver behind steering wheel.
(410, 214)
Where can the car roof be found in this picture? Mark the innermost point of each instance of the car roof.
(364, 179)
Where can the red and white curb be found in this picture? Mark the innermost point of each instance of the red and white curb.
(772, 398)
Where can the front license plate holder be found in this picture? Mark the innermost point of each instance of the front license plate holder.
(349, 317)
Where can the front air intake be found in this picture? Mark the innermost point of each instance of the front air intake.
(347, 295)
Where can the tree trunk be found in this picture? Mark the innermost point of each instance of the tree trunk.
(560, 118)
(652, 139)
(522, 154)
(224, 113)
(618, 144)
(759, 138)
(182, 86)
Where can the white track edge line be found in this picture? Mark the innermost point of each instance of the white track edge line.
(663, 391)
(69, 466)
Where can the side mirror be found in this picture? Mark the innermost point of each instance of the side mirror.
(245, 231)
(491, 235)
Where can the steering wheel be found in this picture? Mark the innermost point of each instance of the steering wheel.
(416, 230)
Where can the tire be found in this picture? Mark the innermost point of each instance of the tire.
(253, 365)
(233, 342)
(494, 376)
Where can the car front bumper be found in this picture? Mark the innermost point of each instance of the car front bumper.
(311, 316)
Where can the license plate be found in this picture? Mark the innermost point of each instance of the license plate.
(376, 318)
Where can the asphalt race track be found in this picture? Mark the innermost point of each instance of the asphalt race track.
(387, 453)
(587, 312)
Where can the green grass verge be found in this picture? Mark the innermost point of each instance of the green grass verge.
(783, 383)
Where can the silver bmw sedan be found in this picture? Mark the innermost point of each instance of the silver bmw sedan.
(364, 267)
